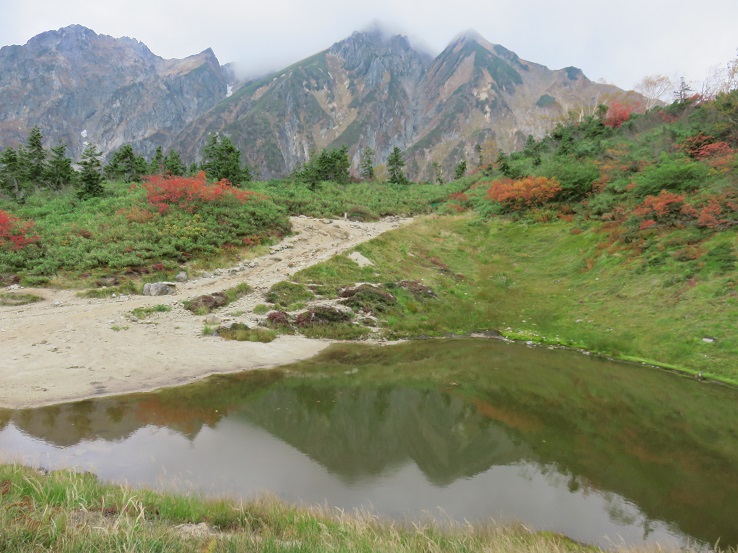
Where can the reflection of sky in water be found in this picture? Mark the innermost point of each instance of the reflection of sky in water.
(241, 460)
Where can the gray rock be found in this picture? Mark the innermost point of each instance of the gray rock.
(181, 277)
(212, 320)
(159, 288)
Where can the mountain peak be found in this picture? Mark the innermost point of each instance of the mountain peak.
(470, 35)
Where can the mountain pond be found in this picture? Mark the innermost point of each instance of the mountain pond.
(458, 430)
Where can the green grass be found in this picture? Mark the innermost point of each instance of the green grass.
(126, 288)
(121, 231)
(242, 333)
(145, 312)
(285, 294)
(66, 511)
(15, 298)
(543, 283)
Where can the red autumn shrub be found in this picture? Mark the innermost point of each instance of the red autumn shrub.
(617, 114)
(664, 207)
(188, 193)
(703, 146)
(524, 193)
(458, 201)
(15, 232)
(716, 149)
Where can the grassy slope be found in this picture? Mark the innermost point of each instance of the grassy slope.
(64, 511)
(532, 282)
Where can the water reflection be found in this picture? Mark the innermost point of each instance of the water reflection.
(599, 451)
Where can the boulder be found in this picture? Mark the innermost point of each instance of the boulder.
(159, 288)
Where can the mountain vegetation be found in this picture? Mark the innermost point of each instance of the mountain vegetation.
(619, 216)
(369, 91)
(609, 227)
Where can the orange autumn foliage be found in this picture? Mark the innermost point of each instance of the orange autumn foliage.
(524, 193)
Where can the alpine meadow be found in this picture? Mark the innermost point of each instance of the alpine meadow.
(550, 286)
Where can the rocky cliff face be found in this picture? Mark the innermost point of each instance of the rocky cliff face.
(79, 86)
(478, 97)
(369, 90)
(375, 91)
(361, 92)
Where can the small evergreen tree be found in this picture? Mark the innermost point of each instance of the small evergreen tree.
(460, 169)
(173, 164)
(59, 171)
(503, 165)
(329, 165)
(480, 158)
(395, 164)
(222, 160)
(157, 165)
(366, 164)
(12, 178)
(437, 173)
(90, 180)
(36, 156)
(126, 165)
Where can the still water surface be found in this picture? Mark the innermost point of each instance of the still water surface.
(604, 452)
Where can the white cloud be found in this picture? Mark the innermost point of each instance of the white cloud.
(620, 42)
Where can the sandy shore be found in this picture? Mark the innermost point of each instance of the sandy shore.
(68, 348)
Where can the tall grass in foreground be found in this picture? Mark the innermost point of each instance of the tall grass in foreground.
(67, 511)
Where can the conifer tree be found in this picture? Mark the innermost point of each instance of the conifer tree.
(395, 164)
(157, 165)
(366, 164)
(126, 165)
(460, 169)
(222, 160)
(173, 164)
(437, 173)
(12, 173)
(36, 157)
(59, 171)
(91, 173)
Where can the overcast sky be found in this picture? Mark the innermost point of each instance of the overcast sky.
(620, 42)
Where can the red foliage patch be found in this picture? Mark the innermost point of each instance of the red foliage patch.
(618, 113)
(666, 205)
(716, 149)
(524, 193)
(459, 202)
(189, 193)
(15, 232)
(703, 146)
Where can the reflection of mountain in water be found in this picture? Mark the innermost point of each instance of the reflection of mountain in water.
(668, 444)
(70, 423)
(360, 432)
(186, 410)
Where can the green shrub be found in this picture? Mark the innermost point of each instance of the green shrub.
(674, 174)
(242, 333)
(146, 312)
(286, 294)
(576, 176)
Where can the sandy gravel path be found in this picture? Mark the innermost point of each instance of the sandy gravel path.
(66, 348)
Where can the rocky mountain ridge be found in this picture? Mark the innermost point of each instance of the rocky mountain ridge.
(370, 90)
(78, 86)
